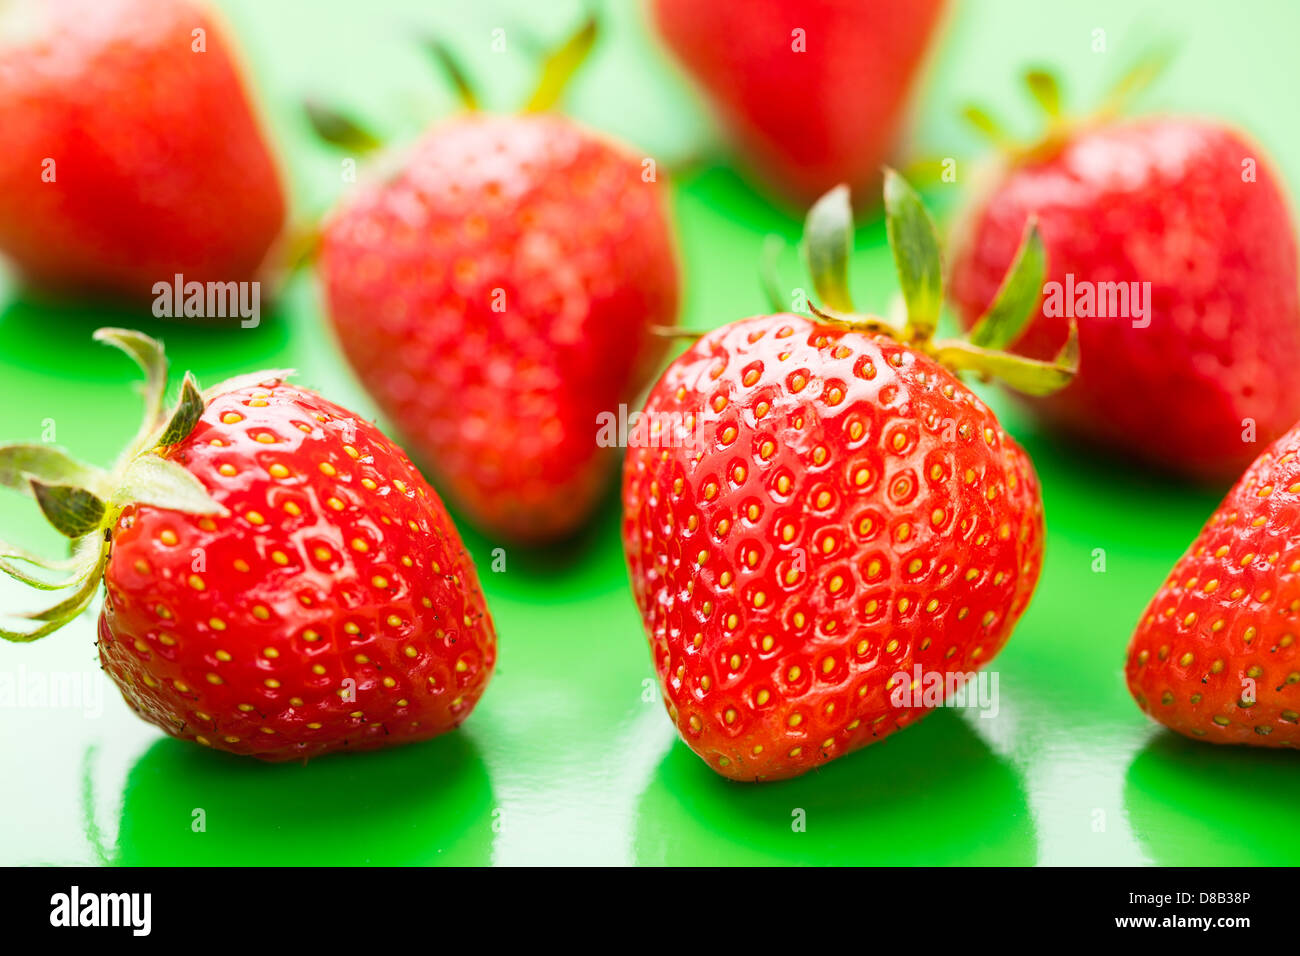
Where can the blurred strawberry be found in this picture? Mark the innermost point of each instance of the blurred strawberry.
(812, 91)
(131, 150)
(496, 292)
(1171, 243)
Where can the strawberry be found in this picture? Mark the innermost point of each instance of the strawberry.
(496, 294)
(1215, 655)
(819, 506)
(812, 91)
(132, 153)
(280, 581)
(1194, 210)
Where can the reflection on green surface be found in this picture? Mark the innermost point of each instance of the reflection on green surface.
(420, 804)
(1191, 802)
(934, 793)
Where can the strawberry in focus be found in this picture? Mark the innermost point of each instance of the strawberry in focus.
(819, 507)
(130, 155)
(812, 91)
(496, 294)
(280, 580)
(1215, 655)
(1193, 210)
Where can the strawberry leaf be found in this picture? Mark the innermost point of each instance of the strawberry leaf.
(827, 243)
(985, 124)
(1030, 376)
(150, 480)
(338, 129)
(559, 67)
(76, 602)
(1017, 299)
(916, 254)
(56, 616)
(189, 407)
(73, 511)
(148, 353)
(1045, 88)
(1135, 80)
(24, 637)
(451, 66)
(19, 463)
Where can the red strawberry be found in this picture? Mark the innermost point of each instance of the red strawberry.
(811, 90)
(496, 295)
(1215, 656)
(845, 510)
(281, 582)
(1193, 209)
(130, 155)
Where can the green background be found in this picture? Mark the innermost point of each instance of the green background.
(568, 759)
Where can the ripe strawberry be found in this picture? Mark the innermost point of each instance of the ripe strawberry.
(808, 109)
(1215, 655)
(496, 295)
(1193, 209)
(844, 510)
(130, 155)
(280, 581)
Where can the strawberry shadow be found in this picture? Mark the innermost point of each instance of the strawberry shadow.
(53, 336)
(426, 803)
(1198, 804)
(932, 794)
(741, 199)
(588, 553)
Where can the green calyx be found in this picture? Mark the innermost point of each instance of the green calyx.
(83, 502)
(828, 241)
(558, 66)
(1044, 88)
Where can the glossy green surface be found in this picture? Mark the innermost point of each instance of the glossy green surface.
(568, 759)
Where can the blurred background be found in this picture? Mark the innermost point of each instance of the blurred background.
(569, 758)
